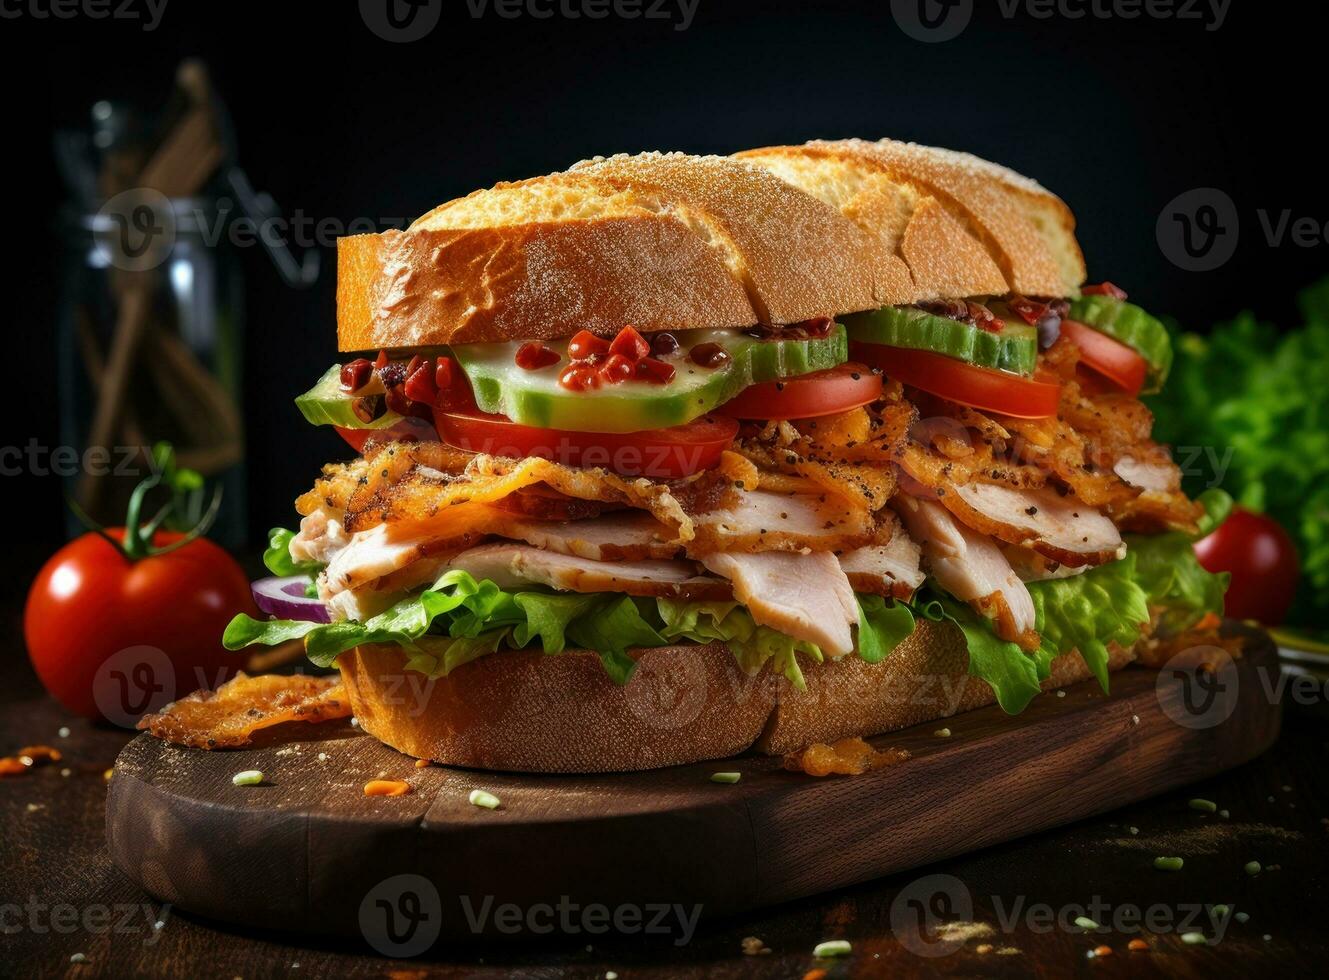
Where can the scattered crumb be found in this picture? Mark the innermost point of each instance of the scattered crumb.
(752, 946)
(942, 733)
(422, 763)
(63, 732)
(108, 774)
(1009, 951)
(1061, 694)
(322, 757)
(78, 958)
(964, 931)
(983, 948)
(1135, 719)
(34, 807)
(66, 773)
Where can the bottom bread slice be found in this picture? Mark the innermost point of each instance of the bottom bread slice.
(523, 711)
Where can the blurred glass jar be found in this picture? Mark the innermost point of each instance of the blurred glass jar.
(150, 349)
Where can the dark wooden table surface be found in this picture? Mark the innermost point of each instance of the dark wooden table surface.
(61, 896)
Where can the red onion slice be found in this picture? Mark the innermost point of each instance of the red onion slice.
(285, 598)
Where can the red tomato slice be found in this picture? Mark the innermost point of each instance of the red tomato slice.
(659, 453)
(807, 396)
(409, 429)
(945, 377)
(1110, 358)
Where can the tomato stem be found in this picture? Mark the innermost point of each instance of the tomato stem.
(139, 536)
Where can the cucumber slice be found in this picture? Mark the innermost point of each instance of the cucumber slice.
(328, 404)
(536, 398)
(1133, 327)
(1013, 348)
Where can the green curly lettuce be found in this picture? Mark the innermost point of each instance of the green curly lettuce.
(1247, 408)
(1084, 613)
(458, 619)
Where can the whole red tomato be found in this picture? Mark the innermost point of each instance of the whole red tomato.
(1263, 562)
(113, 638)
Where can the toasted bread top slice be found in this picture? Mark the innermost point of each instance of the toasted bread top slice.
(671, 241)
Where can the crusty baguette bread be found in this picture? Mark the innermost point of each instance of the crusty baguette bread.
(523, 711)
(669, 241)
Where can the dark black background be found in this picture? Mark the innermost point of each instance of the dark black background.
(1116, 115)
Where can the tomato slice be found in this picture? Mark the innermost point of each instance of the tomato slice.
(807, 396)
(1108, 356)
(945, 377)
(408, 429)
(664, 454)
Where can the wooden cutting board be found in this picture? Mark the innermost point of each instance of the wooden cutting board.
(308, 851)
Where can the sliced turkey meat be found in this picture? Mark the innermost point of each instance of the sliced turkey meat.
(807, 597)
(970, 567)
(1057, 527)
(620, 536)
(892, 569)
(766, 520)
(1158, 475)
(511, 566)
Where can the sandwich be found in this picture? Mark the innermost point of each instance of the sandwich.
(665, 458)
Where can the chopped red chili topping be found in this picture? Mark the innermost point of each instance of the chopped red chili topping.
(1104, 289)
(617, 368)
(356, 374)
(584, 344)
(579, 377)
(630, 344)
(533, 356)
(655, 371)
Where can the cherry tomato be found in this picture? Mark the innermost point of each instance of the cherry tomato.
(1263, 562)
(945, 377)
(808, 395)
(112, 638)
(1110, 358)
(660, 453)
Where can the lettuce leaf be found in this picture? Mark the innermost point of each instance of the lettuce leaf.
(1013, 675)
(1086, 612)
(458, 619)
(1246, 408)
(881, 627)
(1173, 579)
(751, 645)
(277, 556)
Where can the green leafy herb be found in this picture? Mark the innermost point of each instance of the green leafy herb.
(1248, 409)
